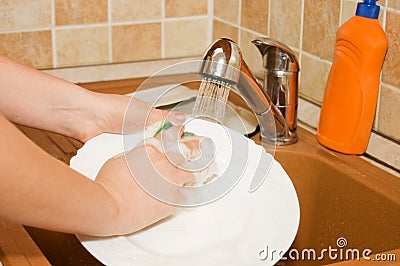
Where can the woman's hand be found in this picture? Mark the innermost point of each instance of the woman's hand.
(125, 114)
(136, 208)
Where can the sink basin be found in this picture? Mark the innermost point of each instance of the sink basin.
(341, 197)
(345, 202)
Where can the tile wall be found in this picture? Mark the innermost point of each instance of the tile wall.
(309, 28)
(64, 33)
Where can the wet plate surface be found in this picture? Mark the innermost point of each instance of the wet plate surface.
(231, 230)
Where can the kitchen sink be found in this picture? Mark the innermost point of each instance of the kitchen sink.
(347, 205)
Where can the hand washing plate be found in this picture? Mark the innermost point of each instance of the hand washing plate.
(237, 229)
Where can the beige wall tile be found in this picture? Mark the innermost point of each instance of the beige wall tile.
(251, 54)
(350, 7)
(179, 8)
(321, 21)
(134, 10)
(185, 37)
(389, 112)
(221, 29)
(348, 10)
(285, 24)
(136, 42)
(72, 12)
(391, 66)
(30, 48)
(394, 4)
(313, 76)
(82, 46)
(255, 15)
(227, 9)
(24, 15)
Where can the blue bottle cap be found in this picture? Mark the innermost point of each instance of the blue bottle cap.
(368, 9)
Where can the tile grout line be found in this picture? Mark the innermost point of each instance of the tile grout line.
(253, 32)
(53, 34)
(385, 15)
(104, 24)
(226, 22)
(313, 56)
(393, 10)
(210, 13)
(269, 18)
(162, 29)
(82, 26)
(239, 22)
(341, 12)
(239, 27)
(301, 38)
(110, 42)
(378, 103)
(389, 86)
(44, 28)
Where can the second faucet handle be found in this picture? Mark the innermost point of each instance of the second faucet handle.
(276, 55)
(281, 81)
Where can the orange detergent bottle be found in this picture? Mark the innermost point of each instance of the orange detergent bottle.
(351, 93)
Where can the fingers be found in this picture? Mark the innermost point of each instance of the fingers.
(176, 118)
(201, 155)
(189, 154)
(140, 114)
(166, 168)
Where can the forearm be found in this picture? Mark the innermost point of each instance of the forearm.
(30, 97)
(33, 98)
(38, 190)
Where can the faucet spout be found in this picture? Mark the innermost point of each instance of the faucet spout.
(223, 62)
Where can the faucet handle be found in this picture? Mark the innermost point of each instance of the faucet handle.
(276, 55)
(280, 82)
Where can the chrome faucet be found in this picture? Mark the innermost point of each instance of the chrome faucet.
(275, 103)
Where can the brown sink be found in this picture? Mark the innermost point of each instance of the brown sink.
(340, 196)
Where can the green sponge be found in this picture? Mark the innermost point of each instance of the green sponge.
(165, 125)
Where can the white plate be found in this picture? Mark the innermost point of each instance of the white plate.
(234, 230)
(171, 93)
